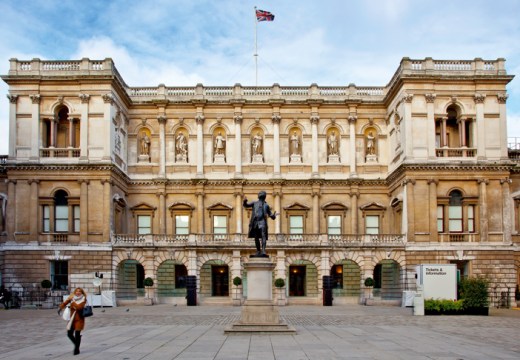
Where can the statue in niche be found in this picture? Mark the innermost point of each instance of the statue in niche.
(257, 144)
(332, 142)
(181, 146)
(145, 144)
(371, 148)
(220, 144)
(295, 144)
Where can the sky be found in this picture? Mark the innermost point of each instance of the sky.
(328, 42)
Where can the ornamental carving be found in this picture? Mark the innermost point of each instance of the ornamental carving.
(315, 119)
(502, 98)
(407, 98)
(35, 98)
(276, 118)
(108, 98)
(200, 119)
(12, 98)
(479, 98)
(84, 98)
(162, 119)
(352, 119)
(430, 98)
(238, 119)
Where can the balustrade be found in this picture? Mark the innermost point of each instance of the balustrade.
(60, 152)
(456, 152)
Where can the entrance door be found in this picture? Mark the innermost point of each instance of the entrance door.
(219, 280)
(297, 280)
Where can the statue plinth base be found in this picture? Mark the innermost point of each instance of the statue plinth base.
(219, 159)
(371, 159)
(296, 158)
(143, 158)
(181, 158)
(333, 159)
(258, 159)
(259, 313)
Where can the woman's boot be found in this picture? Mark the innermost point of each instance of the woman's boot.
(77, 343)
(70, 335)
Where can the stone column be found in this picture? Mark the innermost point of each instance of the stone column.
(107, 131)
(53, 123)
(481, 128)
(83, 210)
(162, 145)
(71, 133)
(35, 127)
(200, 209)
(162, 211)
(430, 114)
(83, 127)
(107, 209)
(433, 208)
(200, 145)
(507, 212)
(483, 209)
(238, 145)
(410, 208)
(276, 145)
(315, 119)
(12, 125)
(277, 193)
(33, 211)
(444, 133)
(316, 209)
(354, 196)
(239, 210)
(352, 126)
(10, 216)
(502, 99)
(408, 130)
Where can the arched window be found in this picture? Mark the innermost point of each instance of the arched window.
(61, 212)
(455, 212)
(456, 215)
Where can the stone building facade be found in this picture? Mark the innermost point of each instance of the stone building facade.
(136, 182)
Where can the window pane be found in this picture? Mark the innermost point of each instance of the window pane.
(182, 220)
(62, 225)
(470, 212)
(62, 212)
(296, 221)
(455, 225)
(144, 224)
(334, 225)
(372, 221)
(455, 212)
(219, 221)
(46, 218)
(76, 211)
(144, 221)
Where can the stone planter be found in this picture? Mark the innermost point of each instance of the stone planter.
(237, 295)
(280, 298)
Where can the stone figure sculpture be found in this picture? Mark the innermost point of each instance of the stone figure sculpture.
(258, 228)
(333, 143)
(220, 144)
(257, 144)
(181, 145)
(371, 150)
(295, 144)
(145, 144)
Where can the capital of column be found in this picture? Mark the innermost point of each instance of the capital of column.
(35, 98)
(200, 193)
(162, 119)
(199, 119)
(316, 193)
(238, 119)
(432, 181)
(105, 181)
(108, 98)
(506, 181)
(407, 97)
(10, 181)
(502, 98)
(238, 193)
(276, 118)
(352, 119)
(83, 181)
(430, 98)
(408, 181)
(160, 193)
(12, 98)
(479, 98)
(84, 98)
(483, 181)
(277, 193)
(33, 181)
(315, 119)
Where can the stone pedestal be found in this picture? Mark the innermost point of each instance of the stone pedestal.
(143, 158)
(181, 158)
(371, 159)
(334, 159)
(258, 159)
(220, 159)
(296, 159)
(259, 313)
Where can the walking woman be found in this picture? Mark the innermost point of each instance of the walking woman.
(77, 301)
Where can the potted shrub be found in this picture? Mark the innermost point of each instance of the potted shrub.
(148, 283)
(369, 283)
(280, 289)
(474, 292)
(46, 284)
(237, 299)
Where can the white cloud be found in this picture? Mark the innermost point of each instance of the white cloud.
(513, 125)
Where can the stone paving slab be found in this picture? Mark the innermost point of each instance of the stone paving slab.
(337, 332)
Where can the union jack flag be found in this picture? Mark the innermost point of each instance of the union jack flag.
(262, 15)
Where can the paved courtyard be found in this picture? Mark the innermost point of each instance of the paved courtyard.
(338, 332)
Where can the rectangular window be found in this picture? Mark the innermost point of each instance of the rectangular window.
(46, 221)
(471, 218)
(296, 224)
(60, 274)
(220, 226)
(372, 224)
(455, 218)
(180, 276)
(76, 211)
(144, 224)
(62, 218)
(182, 224)
(440, 218)
(334, 225)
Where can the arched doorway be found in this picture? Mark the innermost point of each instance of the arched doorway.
(214, 278)
(346, 277)
(303, 279)
(171, 279)
(387, 280)
(130, 280)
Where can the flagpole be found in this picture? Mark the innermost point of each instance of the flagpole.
(256, 50)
